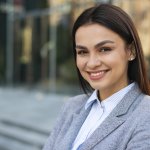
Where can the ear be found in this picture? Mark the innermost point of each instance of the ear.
(131, 52)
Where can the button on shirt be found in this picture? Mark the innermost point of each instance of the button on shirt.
(98, 113)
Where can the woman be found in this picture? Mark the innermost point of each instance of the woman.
(110, 64)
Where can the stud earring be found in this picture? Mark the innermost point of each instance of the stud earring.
(131, 58)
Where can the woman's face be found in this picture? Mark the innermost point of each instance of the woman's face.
(102, 58)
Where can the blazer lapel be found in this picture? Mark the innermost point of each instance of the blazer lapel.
(73, 129)
(114, 120)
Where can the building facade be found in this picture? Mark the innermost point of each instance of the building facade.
(41, 37)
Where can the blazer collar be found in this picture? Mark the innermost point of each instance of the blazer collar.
(76, 121)
(115, 119)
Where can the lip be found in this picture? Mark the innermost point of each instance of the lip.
(97, 75)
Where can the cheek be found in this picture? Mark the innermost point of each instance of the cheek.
(117, 59)
(80, 63)
(119, 64)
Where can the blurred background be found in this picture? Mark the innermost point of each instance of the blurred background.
(37, 72)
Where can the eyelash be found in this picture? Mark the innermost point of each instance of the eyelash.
(81, 52)
(105, 49)
(102, 49)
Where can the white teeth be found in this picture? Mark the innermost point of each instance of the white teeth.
(97, 74)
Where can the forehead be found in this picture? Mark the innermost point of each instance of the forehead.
(95, 33)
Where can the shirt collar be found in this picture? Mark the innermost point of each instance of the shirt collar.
(91, 99)
(110, 102)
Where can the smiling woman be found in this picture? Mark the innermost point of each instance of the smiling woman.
(103, 59)
(114, 112)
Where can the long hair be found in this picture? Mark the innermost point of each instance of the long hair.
(115, 19)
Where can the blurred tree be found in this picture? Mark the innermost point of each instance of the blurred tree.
(35, 4)
(2, 43)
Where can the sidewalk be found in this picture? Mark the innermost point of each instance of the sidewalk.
(26, 117)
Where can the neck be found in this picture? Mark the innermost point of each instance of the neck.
(103, 94)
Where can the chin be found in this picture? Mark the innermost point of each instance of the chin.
(97, 87)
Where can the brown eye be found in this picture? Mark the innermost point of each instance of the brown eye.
(105, 49)
(81, 52)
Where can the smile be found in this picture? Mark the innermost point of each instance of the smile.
(97, 75)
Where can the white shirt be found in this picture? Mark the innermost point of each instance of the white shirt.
(98, 113)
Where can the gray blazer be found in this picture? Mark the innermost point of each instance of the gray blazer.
(126, 128)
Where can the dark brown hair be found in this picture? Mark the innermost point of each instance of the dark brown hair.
(118, 21)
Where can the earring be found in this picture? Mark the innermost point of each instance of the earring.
(131, 58)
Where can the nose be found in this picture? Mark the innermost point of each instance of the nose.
(94, 61)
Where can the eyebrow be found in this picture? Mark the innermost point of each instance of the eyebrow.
(103, 43)
(96, 46)
(80, 47)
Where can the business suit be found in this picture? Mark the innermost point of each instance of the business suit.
(126, 128)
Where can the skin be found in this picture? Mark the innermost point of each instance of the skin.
(102, 58)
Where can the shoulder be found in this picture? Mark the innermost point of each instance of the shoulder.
(76, 102)
(143, 110)
(145, 104)
(141, 123)
(72, 105)
(78, 99)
